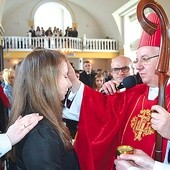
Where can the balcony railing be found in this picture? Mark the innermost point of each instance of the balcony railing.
(18, 43)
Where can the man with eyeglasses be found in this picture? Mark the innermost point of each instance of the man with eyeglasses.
(121, 67)
(107, 121)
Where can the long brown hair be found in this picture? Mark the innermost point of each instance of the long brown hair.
(97, 76)
(35, 89)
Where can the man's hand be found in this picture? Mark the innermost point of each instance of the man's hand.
(109, 87)
(122, 164)
(22, 126)
(139, 159)
(160, 121)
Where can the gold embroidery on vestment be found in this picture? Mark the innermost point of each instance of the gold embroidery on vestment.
(141, 124)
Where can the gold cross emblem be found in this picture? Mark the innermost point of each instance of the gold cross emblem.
(141, 124)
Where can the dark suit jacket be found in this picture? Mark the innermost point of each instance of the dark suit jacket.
(42, 149)
(4, 105)
(3, 117)
(87, 79)
(32, 33)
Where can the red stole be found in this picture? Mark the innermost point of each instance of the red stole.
(4, 98)
(109, 121)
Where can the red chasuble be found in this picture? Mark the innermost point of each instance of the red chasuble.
(109, 121)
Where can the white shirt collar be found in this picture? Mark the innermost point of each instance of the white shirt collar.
(153, 92)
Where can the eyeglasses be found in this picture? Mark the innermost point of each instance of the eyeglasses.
(144, 60)
(123, 69)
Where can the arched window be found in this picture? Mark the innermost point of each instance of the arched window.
(52, 14)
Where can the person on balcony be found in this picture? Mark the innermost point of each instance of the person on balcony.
(38, 32)
(49, 32)
(42, 32)
(32, 31)
(75, 32)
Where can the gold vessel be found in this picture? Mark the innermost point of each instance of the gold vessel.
(124, 149)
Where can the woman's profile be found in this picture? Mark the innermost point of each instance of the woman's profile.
(40, 86)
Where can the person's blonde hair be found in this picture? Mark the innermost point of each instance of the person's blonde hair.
(8, 74)
(35, 90)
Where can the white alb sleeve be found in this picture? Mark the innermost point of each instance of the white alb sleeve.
(73, 112)
(5, 144)
(161, 166)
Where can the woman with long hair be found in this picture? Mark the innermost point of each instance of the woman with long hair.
(98, 82)
(40, 86)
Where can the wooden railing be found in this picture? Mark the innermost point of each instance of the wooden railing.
(18, 43)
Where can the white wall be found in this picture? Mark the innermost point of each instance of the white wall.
(166, 6)
(86, 23)
(15, 22)
(96, 63)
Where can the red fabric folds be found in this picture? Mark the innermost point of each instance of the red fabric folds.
(105, 123)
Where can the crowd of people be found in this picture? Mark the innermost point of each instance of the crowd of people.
(56, 32)
(49, 96)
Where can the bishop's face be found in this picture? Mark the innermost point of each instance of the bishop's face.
(146, 62)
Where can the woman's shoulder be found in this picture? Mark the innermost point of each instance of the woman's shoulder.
(43, 134)
(43, 126)
(44, 129)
